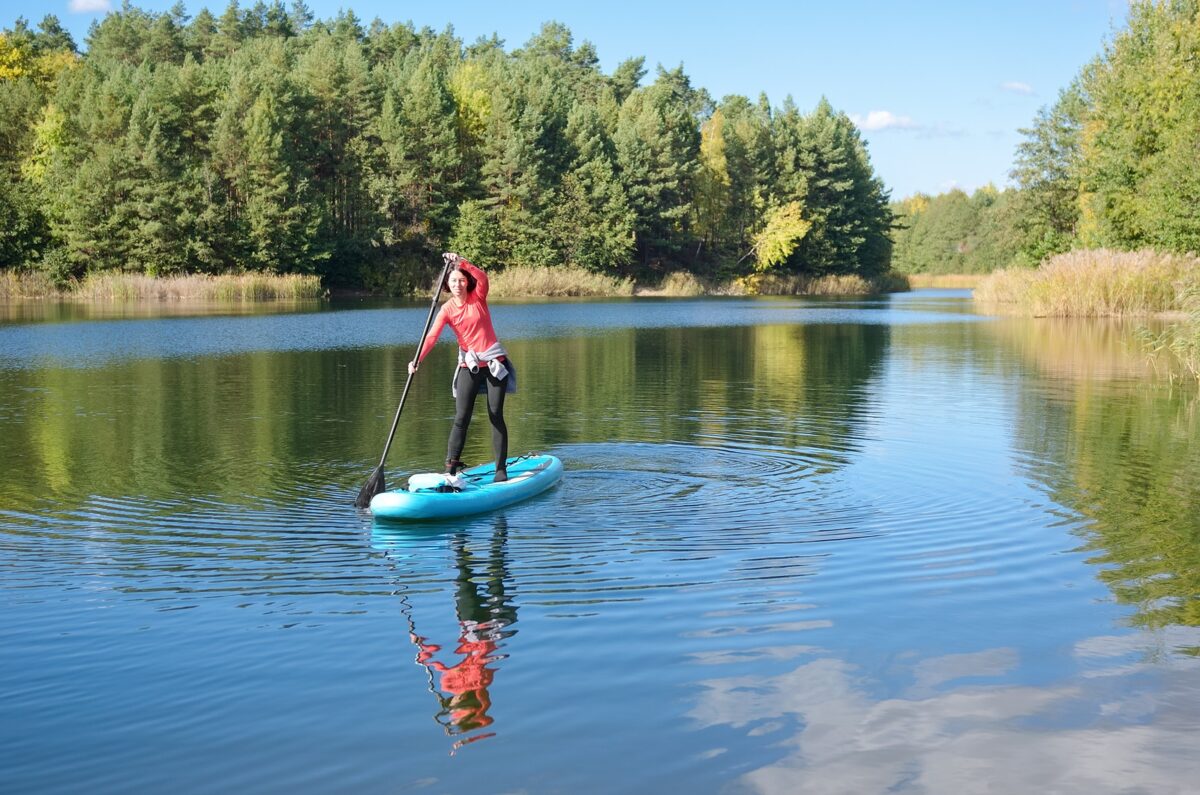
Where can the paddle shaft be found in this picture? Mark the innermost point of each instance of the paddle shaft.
(437, 289)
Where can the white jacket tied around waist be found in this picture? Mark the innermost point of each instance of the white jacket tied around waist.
(489, 358)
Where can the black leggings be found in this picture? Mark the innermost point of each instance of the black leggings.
(467, 386)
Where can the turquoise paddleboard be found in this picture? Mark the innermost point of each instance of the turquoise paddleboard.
(430, 496)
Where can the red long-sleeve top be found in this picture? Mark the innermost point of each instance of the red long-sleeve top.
(471, 322)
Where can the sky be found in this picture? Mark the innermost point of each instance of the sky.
(939, 90)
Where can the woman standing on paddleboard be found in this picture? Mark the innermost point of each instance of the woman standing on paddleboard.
(483, 364)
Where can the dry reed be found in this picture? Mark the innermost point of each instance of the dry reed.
(127, 287)
(1179, 342)
(831, 285)
(529, 282)
(1094, 283)
(678, 284)
(945, 281)
(24, 285)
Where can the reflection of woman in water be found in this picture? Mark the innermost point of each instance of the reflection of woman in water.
(467, 681)
(484, 613)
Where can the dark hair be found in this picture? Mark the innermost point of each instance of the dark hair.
(457, 269)
(471, 280)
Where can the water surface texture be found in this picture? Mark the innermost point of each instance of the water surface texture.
(801, 546)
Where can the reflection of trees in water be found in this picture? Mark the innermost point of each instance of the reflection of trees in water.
(1119, 448)
(1129, 461)
(1075, 349)
(679, 384)
(460, 678)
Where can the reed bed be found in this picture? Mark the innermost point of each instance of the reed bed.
(529, 282)
(126, 287)
(945, 281)
(679, 284)
(24, 285)
(1179, 343)
(832, 285)
(1094, 283)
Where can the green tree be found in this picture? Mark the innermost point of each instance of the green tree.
(658, 145)
(1143, 130)
(825, 165)
(593, 220)
(1047, 170)
(416, 184)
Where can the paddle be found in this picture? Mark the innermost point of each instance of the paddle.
(375, 484)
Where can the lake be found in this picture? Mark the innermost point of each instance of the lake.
(801, 546)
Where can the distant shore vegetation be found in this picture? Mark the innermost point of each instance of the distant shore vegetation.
(264, 140)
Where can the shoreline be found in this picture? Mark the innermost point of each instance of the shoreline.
(510, 284)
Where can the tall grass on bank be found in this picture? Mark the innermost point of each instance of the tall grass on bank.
(1095, 283)
(528, 282)
(678, 284)
(21, 284)
(945, 281)
(1180, 341)
(832, 285)
(125, 287)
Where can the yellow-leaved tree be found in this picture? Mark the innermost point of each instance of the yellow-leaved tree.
(784, 228)
(14, 61)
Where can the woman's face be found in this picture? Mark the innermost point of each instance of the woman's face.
(458, 284)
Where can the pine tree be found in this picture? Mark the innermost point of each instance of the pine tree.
(845, 202)
(416, 185)
(593, 221)
(657, 145)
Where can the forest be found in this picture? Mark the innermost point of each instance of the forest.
(266, 140)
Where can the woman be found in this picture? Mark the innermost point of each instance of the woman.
(482, 362)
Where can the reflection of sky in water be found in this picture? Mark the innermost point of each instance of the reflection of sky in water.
(101, 342)
(1120, 726)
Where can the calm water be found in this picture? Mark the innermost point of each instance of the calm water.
(843, 547)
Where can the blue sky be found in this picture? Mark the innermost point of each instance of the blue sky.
(939, 89)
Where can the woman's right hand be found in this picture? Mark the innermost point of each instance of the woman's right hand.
(412, 367)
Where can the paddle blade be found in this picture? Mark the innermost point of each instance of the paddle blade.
(373, 486)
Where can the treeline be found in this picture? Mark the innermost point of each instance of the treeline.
(264, 139)
(956, 233)
(1111, 164)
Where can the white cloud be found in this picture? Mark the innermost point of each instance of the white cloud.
(90, 6)
(1017, 87)
(883, 120)
(834, 733)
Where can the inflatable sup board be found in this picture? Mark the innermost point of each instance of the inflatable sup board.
(438, 496)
